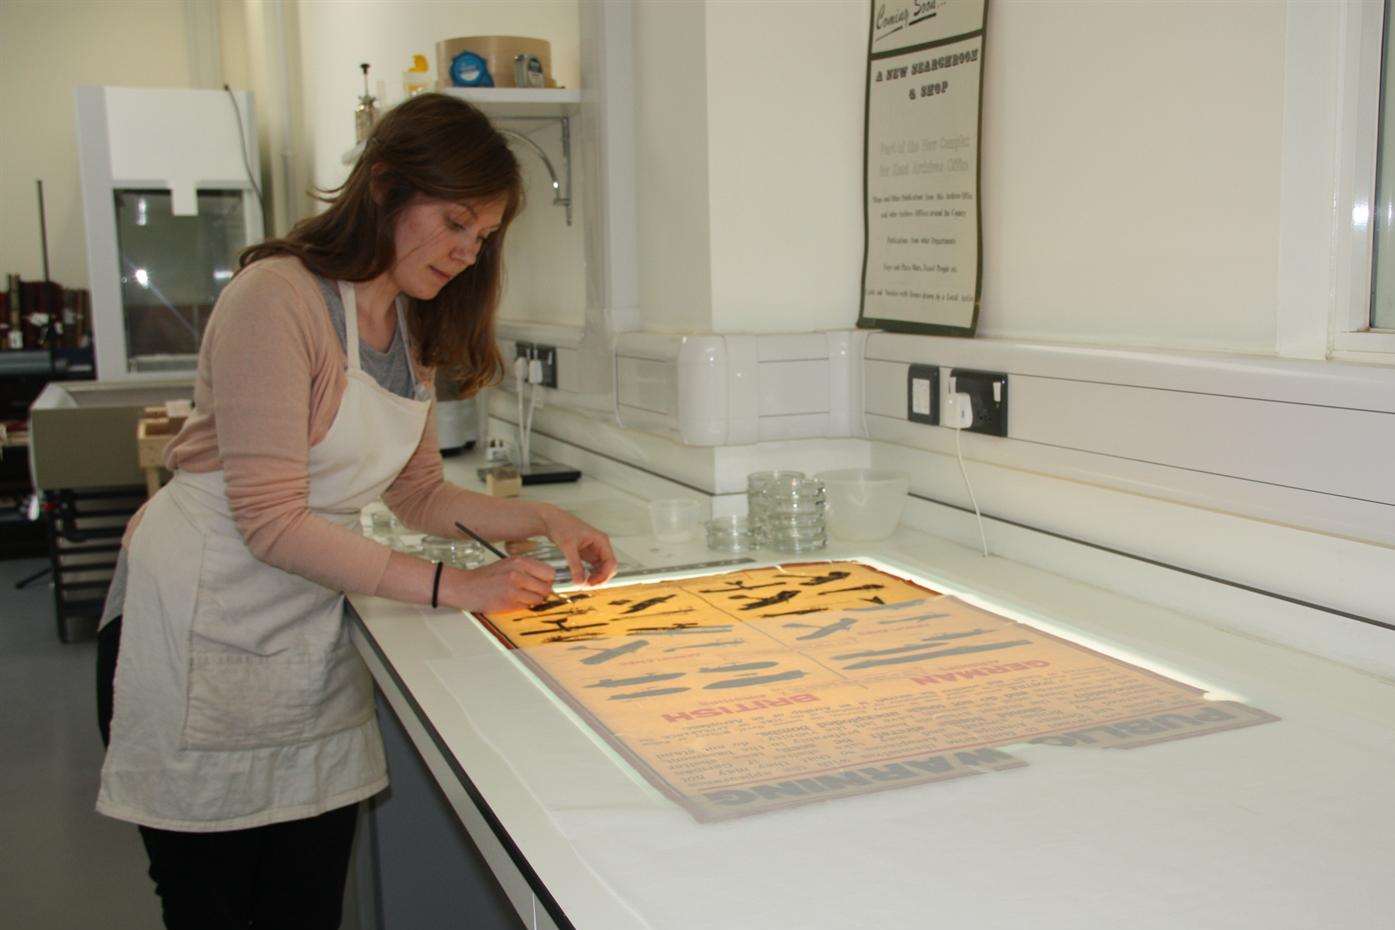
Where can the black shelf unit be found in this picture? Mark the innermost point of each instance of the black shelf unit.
(84, 536)
(23, 376)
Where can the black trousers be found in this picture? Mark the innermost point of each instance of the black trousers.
(286, 875)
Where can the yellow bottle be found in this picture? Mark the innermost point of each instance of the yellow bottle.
(417, 78)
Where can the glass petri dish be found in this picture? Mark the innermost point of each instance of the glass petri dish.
(730, 534)
(798, 543)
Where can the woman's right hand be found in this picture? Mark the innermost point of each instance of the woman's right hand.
(509, 584)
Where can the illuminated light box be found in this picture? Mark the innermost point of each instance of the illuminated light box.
(752, 690)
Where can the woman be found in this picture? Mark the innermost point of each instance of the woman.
(241, 730)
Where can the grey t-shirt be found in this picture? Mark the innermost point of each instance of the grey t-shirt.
(390, 369)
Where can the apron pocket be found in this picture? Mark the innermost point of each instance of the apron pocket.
(270, 661)
(242, 701)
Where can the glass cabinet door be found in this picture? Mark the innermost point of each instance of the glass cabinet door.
(172, 270)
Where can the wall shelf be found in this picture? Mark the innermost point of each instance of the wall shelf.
(516, 102)
(522, 104)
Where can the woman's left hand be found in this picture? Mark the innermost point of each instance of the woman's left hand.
(582, 544)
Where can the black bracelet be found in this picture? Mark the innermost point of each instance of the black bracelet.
(436, 585)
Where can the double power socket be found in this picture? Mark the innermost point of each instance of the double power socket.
(545, 358)
(976, 401)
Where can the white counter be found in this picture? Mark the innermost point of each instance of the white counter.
(1285, 825)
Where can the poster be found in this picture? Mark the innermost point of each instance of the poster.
(922, 258)
(753, 690)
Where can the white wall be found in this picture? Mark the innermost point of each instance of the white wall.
(266, 31)
(1131, 197)
(1130, 177)
(48, 47)
(671, 155)
(544, 258)
(784, 124)
(748, 164)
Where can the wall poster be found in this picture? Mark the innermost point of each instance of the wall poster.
(749, 691)
(922, 263)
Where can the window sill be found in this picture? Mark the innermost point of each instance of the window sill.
(1366, 346)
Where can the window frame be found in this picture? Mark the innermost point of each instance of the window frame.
(1362, 26)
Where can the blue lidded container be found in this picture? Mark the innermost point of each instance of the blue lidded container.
(470, 70)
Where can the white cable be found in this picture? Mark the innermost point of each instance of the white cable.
(535, 378)
(518, 373)
(528, 429)
(959, 451)
(525, 452)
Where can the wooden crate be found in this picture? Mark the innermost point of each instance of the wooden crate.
(154, 430)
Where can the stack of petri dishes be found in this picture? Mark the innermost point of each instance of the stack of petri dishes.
(382, 525)
(460, 553)
(755, 503)
(794, 514)
(730, 534)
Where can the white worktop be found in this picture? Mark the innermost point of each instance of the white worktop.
(1285, 825)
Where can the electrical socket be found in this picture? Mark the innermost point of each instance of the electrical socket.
(988, 396)
(923, 394)
(546, 355)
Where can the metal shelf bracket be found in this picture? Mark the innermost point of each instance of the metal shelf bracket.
(561, 195)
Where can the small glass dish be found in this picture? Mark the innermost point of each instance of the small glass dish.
(798, 542)
(795, 507)
(469, 554)
(384, 524)
(675, 519)
(759, 479)
(439, 549)
(730, 534)
(409, 542)
(794, 522)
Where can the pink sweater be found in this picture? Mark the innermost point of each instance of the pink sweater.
(270, 378)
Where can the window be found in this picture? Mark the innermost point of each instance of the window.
(1382, 310)
(1343, 90)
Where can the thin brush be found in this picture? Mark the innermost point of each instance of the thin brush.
(494, 549)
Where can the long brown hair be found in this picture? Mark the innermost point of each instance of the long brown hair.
(436, 146)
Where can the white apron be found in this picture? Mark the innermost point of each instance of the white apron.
(239, 699)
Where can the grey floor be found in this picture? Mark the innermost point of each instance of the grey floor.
(62, 866)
